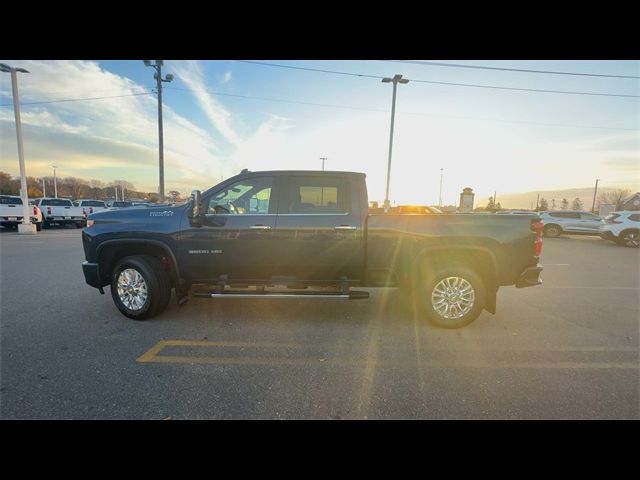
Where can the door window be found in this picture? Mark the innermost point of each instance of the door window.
(318, 195)
(245, 197)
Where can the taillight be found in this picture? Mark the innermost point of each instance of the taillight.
(48, 210)
(90, 209)
(84, 212)
(538, 227)
(537, 247)
(90, 223)
(35, 211)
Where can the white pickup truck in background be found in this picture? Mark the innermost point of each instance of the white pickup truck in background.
(61, 211)
(91, 206)
(11, 212)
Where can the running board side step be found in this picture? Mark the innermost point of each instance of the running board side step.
(352, 295)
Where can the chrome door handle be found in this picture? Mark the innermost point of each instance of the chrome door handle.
(260, 227)
(345, 227)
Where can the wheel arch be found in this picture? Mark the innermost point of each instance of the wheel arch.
(110, 251)
(480, 259)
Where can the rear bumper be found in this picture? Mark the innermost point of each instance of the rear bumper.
(530, 277)
(91, 274)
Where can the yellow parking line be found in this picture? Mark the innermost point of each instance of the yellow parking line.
(151, 354)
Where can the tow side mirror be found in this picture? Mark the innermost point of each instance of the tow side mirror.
(196, 207)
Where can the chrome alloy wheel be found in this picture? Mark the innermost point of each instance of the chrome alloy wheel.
(132, 289)
(631, 239)
(453, 297)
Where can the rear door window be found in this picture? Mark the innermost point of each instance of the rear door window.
(10, 201)
(56, 202)
(318, 195)
(94, 203)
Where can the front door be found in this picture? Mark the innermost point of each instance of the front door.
(235, 240)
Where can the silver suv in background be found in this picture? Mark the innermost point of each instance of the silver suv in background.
(575, 222)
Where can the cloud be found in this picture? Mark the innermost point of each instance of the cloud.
(113, 133)
(227, 77)
(191, 74)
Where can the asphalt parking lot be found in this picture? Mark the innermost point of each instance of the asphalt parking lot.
(566, 350)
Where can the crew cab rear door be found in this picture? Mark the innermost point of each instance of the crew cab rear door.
(319, 229)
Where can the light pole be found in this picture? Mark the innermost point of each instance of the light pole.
(44, 188)
(55, 183)
(323, 160)
(168, 78)
(593, 206)
(26, 226)
(395, 80)
(440, 197)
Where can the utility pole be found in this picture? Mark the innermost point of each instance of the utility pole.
(55, 183)
(395, 80)
(440, 197)
(168, 78)
(537, 200)
(26, 226)
(593, 206)
(323, 160)
(44, 188)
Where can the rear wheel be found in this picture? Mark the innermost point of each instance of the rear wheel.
(630, 238)
(140, 287)
(552, 231)
(38, 226)
(451, 297)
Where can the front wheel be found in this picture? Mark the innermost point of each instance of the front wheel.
(630, 238)
(452, 297)
(140, 287)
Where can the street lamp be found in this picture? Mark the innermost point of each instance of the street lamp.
(55, 183)
(26, 226)
(323, 160)
(395, 80)
(168, 78)
(595, 190)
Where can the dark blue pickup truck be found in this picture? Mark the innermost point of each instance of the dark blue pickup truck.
(306, 234)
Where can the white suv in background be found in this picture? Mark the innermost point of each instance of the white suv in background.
(557, 222)
(622, 227)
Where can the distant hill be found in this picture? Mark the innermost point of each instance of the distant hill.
(528, 199)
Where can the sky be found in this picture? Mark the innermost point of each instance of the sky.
(223, 116)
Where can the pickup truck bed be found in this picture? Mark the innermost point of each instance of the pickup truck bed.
(307, 230)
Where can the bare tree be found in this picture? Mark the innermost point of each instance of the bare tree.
(564, 204)
(613, 197)
(577, 204)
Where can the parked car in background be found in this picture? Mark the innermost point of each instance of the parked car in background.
(90, 206)
(60, 211)
(406, 209)
(515, 212)
(12, 213)
(622, 227)
(574, 222)
(119, 204)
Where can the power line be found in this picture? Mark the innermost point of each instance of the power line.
(475, 85)
(352, 107)
(482, 67)
(329, 105)
(78, 99)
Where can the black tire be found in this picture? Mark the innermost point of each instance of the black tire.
(430, 279)
(38, 227)
(79, 225)
(629, 238)
(552, 231)
(157, 282)
(45, 224)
